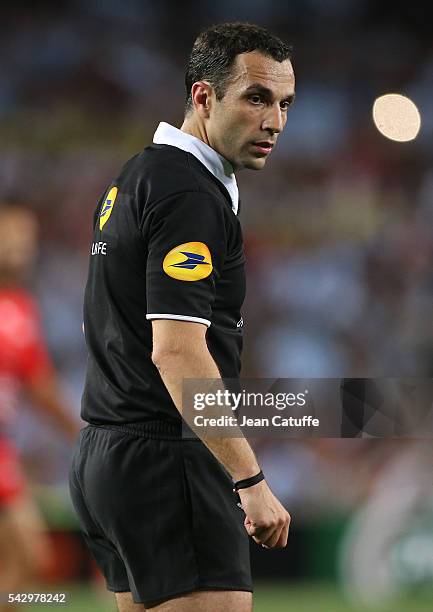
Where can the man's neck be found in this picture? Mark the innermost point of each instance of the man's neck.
(192, 127)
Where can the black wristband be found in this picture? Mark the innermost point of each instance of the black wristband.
(249, 482)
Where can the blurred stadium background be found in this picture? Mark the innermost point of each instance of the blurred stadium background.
(339, 251)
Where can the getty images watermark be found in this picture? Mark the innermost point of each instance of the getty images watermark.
(250, 408)
(223, 398)
(303, 408)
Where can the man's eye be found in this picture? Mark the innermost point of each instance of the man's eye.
(284, 106)
(256, 99)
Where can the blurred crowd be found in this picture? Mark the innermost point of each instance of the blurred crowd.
(337, 228)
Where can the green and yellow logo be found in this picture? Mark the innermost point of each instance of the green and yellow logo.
(191, 261)
(107, 207)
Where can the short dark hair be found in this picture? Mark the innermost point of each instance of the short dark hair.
(215, 50)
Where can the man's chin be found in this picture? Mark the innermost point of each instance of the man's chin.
(256, 163)
(251, 163)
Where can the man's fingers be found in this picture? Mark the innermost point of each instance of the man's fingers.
(265, 535)
(259, 533)
(278, 538)
(282, 541)
(274, 536)
(249, 526)
(273, 539)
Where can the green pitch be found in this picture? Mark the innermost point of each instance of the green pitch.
(269, 597)
(312, 597)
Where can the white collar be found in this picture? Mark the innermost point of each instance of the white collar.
(214, 162)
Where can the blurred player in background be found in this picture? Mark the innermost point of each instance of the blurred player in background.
(24, 366)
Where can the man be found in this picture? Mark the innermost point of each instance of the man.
(165, 288)
(24, 365)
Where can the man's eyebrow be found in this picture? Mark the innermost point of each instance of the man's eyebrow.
(258, 87)
(265, 91)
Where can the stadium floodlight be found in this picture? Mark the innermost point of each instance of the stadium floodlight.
(396, 117)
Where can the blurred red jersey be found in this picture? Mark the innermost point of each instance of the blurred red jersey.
(23, 354)
(23, 358)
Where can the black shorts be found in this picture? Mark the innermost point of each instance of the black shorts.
(158, 514)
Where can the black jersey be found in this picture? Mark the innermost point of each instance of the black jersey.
(166, 244)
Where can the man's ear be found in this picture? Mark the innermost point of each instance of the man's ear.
(201, 95)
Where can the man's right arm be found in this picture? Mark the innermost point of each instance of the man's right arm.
(180, 351)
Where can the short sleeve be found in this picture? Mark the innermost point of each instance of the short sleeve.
(187, 246)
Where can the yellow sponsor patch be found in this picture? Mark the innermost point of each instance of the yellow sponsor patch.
(107, 207)
(191, 261)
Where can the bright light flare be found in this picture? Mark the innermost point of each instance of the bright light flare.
(396, 117)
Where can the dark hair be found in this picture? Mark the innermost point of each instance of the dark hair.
(215, 50)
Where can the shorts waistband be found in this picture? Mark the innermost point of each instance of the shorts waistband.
(156, 430)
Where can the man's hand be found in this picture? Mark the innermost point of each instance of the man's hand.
(267, 521)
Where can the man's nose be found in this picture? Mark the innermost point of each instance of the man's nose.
(274, 120)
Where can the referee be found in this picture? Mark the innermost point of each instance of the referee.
(165, 287)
